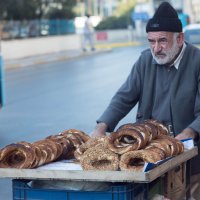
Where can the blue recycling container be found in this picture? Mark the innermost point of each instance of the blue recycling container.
(2, 91)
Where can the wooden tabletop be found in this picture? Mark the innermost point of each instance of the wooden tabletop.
(101, 176)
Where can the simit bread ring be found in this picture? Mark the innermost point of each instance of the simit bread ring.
(99, 158)
(125, 140)
(135, 160)
(83, 137)
(16, 156)
(89, 144)
(179, 147)
(161, 129)
(140, 128)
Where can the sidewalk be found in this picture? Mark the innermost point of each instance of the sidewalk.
(64, 55)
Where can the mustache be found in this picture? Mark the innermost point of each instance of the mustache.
(160, 54)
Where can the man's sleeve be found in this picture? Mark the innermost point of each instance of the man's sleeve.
(195, 125)
(124, 100)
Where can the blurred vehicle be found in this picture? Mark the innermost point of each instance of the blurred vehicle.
(9, 32)
(34, 28)
(44, 27)
(5, 35)
(15, 32)
(192, 33)
(24, 31)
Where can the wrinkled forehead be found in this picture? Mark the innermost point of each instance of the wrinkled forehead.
(160, 34)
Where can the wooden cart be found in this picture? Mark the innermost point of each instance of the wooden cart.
(106, 176)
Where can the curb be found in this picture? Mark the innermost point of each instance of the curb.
(48, 58)
(63, 56)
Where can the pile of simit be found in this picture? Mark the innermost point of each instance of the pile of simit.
(128, 148)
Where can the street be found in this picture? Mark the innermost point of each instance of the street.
(46, 99)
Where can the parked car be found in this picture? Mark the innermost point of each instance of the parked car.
(192, 33)
(10, 32)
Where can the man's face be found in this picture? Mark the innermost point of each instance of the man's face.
(164, 46)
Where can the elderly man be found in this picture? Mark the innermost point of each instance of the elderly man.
(164, 81)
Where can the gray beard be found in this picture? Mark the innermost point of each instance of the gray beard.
(170, 55)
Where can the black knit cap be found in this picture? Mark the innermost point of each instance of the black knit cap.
(164, 19)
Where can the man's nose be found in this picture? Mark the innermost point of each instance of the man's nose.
(157, 47)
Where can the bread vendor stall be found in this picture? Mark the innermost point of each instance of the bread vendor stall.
(94, 173)
(21, 190)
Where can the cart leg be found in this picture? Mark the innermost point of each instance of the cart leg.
(188, 174)
(146, 191)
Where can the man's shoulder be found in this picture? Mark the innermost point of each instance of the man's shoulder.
(146, 52)
(144, 61)
(192, 53)
(146, 56)
(192, 47)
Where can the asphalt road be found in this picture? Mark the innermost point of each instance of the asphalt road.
(45, 99)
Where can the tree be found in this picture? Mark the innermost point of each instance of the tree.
(18, 9)
(121, 18)
(125, 7)
(61, 9)
(36, 9)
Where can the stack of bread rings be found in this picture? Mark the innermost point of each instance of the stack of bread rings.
(130, 137)
(31, 155)
(129, 148)
(132, 144)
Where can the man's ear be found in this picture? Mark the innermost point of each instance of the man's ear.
(180, 39)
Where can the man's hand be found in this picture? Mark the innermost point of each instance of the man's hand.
(187, 133)
(100, 130)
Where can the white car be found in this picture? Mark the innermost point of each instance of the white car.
(192, 33)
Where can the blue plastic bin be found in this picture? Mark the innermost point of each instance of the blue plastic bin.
(2, 89)
(122, 191)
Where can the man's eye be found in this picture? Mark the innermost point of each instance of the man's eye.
(163, 41)
(151, 42)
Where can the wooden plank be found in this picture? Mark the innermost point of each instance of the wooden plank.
(170, 164)
(105, 176)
